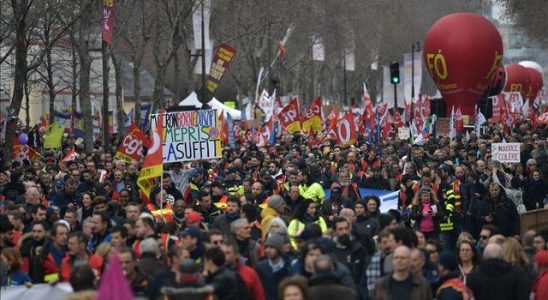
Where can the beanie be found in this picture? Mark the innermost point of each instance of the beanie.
(276, 202)
(275, 241)
(149, 245)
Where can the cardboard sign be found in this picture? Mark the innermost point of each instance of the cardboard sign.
(404, 133)
(224, 55)
(505, 152)
(190, 135)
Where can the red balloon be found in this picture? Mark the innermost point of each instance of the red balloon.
(536, 83)
(518, 79)
(462, 52)
(497, 83)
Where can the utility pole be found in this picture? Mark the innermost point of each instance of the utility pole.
(203, 98)
(413, 77)
(106, 133)
(344, 78)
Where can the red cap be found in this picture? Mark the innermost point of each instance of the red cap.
(193, 217)
(541, 258)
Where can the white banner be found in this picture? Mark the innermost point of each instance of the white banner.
(37, 292)
(409, 72)
(350, 63)
(197, 24)
(505, 152)
(318, 49)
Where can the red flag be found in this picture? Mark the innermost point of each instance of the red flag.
(108, 8)
(290, 117)
(407, 112)
(333, 116)
(223, 133)
(459, 122)
(380, 109)
(153, 164)
(417, 115)
(346, 130)
(281, 49)
(131, 147)
(386, 125)
(313, 117)
(72, 155)
(425, 109)
(398, 122)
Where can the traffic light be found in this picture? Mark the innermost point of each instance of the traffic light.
(395, 72)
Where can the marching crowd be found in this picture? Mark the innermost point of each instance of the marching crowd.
(286, 221)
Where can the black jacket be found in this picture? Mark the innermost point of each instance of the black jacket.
(534, 192)
(496, 279)
(329, 287)
(353, 256)
(224, 283)
(505, 214)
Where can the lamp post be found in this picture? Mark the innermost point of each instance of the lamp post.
(413, 49)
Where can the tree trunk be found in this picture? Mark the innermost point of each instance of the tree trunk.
(74, 93)
(157, 95)
(20, 76)
(120, 114)
(105, 71)
(85, 104)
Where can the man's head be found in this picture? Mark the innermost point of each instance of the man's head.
(233, 206)
(119, 236)
(59, 235)
(39, 231)
(32, 196)
(127, 260)
(342, 227)
(99, 223)
(179, 207)
(401, 259)
(323, 265)
(418, 260)
(492, 251)
(274, 246)
(540, 241)
(231, 253)
(71, 216)
(486, 232)
(191, 237)
(257, 189)
(100, 204)
(448, 263)
(132, 211)
(277, 203)
(167, 181)
(240, 229)
(205, 199)
(213, 258)
(70, 186)
(215, 237)
(294, 192)
(145, 226)
(38, 212)
(77, 243)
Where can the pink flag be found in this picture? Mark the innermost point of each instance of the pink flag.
(114, 285)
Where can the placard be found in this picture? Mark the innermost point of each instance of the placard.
(190, 135)
(404, 133)
(505, 152)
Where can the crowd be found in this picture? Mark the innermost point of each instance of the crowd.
(257, 224)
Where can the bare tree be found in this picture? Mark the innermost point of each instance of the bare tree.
(530, 16)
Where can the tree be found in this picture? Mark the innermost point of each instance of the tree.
(530, 16)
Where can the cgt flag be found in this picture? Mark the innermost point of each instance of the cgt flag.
(346, 130)
(108, 8)
(290, 117)
(131, 147)
(313, 117)
(153, 164)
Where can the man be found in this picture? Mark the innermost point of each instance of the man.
(487, 231)
(348, 250)
(248, 248)
(144, 228)
(194, 186)
(138, 280)
(182, 282)
(179, 212)
(6, 232)
(324, 284)
(224, 281)
(192, 240)
(209, 211)
(275, 207)
(87, 184)
(170, 188)
(540, 286)
(149, 261)
(16, 219)
(249, 276)
(119, 237)
(450, 286)
(497, 279)
(32, 196)
(465, 188)
(67, 197)
(31, 243)
(275, 267)
(79, 256)
(331, 207)
(293, 198)
(257, 190)
(179, 177)
(71, 216)
(420, 268)
(100, 224)
(377, 181)
(402, 284)
(133, 210)
(222, 222)
(46, 264)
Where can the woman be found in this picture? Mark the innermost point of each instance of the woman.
(512, 253)
(13, 261)
(293, 288)
(87, 207)
(465, 236)
(305, 214)
(425, 213)
(499, 211)
(468, 258)
(367, 216)
(535, 190)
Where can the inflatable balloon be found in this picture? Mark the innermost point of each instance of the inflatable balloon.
(462, 52)
(535, 74)
(518, 79)
(497, 83)
(23, 138)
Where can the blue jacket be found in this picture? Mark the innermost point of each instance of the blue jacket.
(271, 280)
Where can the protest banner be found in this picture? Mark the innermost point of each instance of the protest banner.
(132, 145)
(290, 117)
(221, 62)
(404, 133)
(505, 152)
(190, 135)
(313, 117)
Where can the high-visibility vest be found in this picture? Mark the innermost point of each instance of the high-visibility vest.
(222, 203)
(447, 225)
(453, 196)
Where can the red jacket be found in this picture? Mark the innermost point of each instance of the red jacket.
(94, 262)
(540, 287)
(251, 279)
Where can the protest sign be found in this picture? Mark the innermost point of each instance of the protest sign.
(404, 133)
(132, 145)
(221, 62)
(190, 135)
(505, 152)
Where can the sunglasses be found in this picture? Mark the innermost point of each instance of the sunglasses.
(483, 237)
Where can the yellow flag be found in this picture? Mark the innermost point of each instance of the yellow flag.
(54, 135)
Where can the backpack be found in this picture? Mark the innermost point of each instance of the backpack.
(459, 286)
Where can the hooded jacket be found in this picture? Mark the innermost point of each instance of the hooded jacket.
(497, 279)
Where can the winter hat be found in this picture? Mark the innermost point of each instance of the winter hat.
(276, 202)
(275, 241)
(193, 217)
(449, 260)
